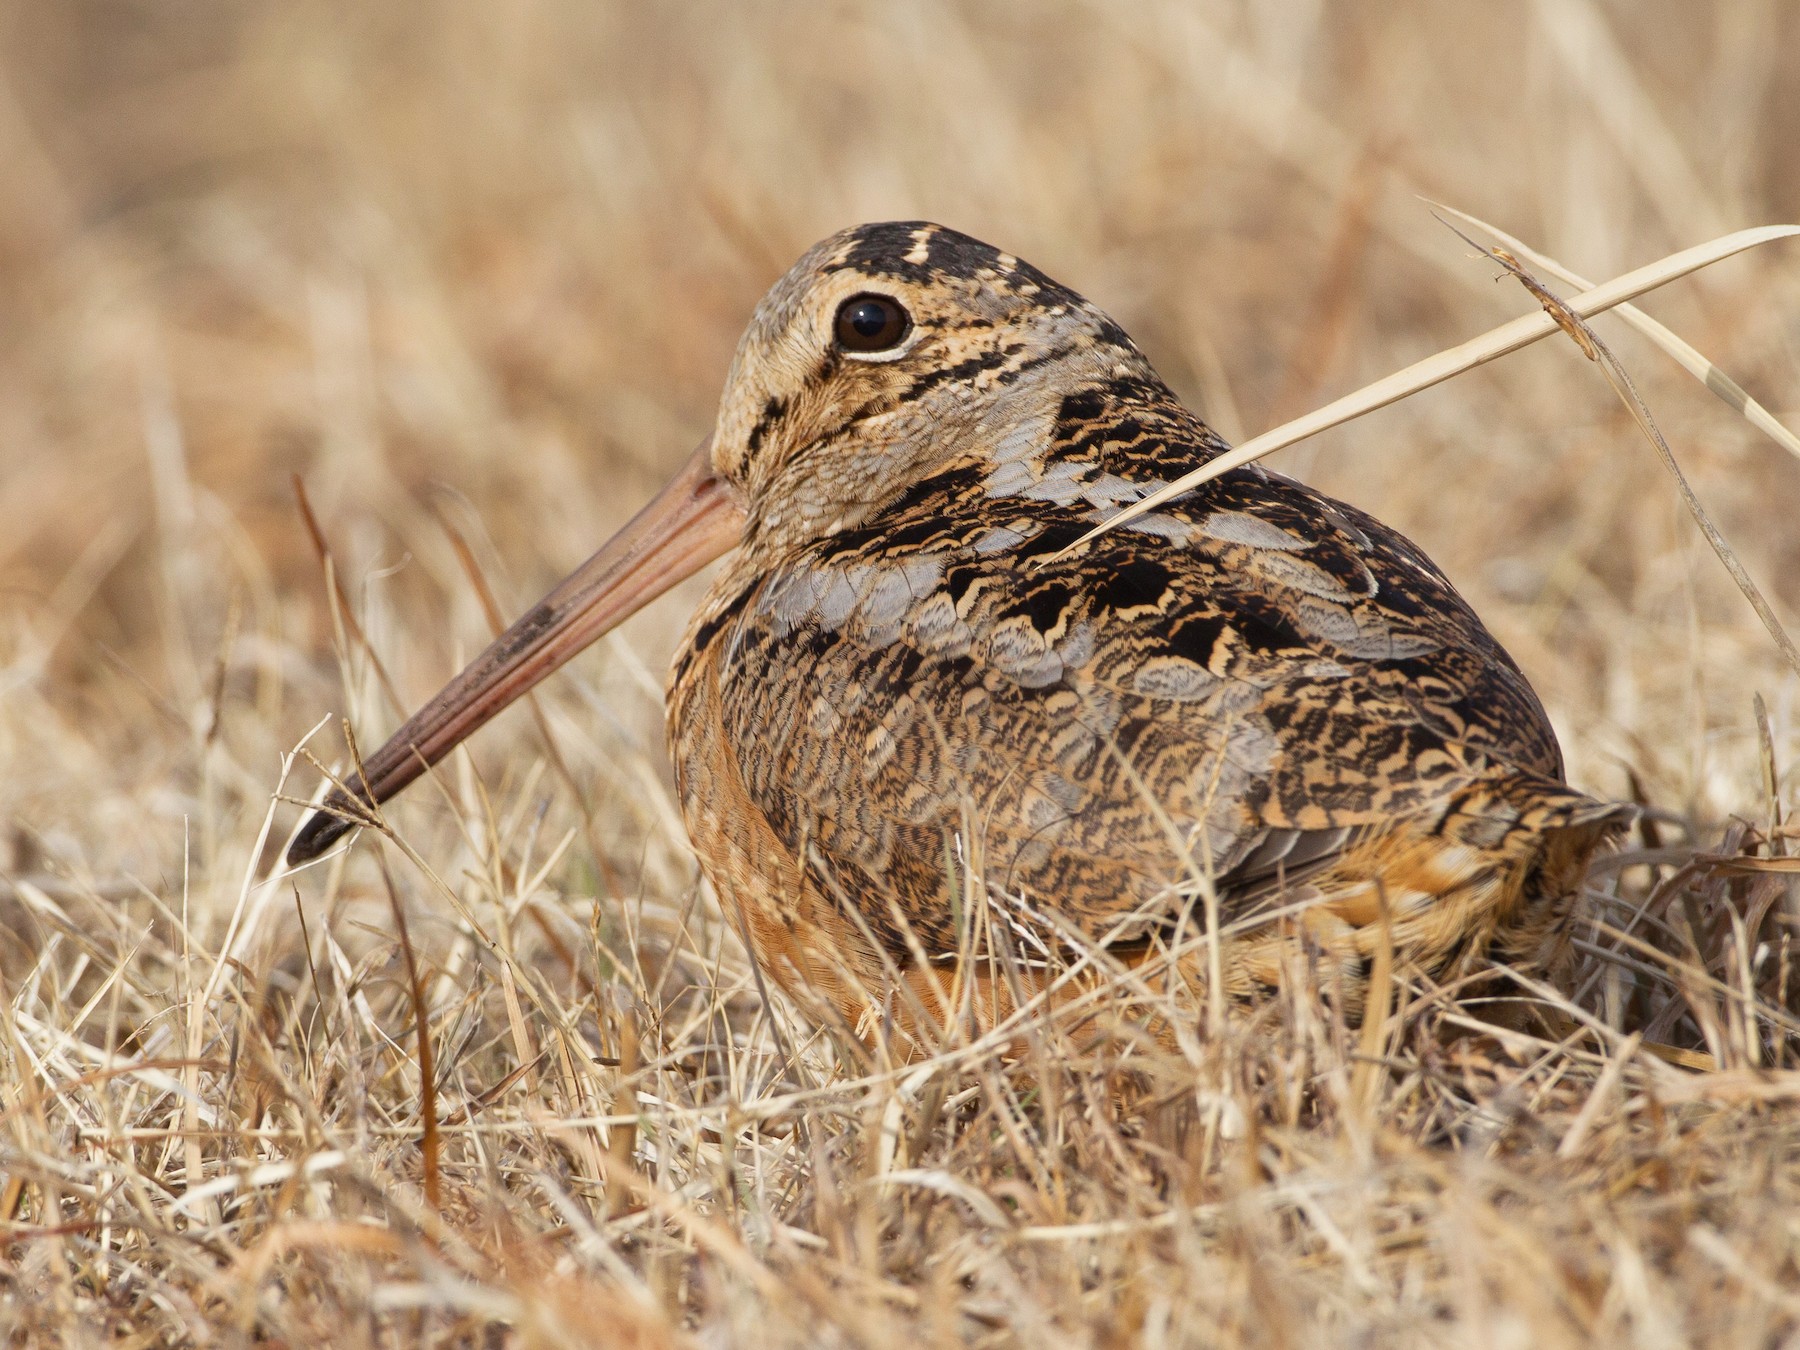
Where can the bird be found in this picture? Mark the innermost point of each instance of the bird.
(930, 738)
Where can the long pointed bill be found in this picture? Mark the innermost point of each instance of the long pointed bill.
(692, 521)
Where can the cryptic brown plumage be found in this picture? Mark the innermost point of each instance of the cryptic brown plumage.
(906, 675)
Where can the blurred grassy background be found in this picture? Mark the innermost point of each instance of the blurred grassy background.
(504, 251)
(485, 264)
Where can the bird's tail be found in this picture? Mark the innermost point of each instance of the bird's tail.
(1549, 832)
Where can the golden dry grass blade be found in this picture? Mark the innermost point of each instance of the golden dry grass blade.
(1585, 338)
(1690, 359)
(1444, 365)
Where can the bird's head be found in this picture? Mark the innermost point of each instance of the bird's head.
(886, 349)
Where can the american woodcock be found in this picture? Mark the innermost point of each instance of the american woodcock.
(908, 714)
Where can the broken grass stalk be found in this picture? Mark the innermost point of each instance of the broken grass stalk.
(1495, 343)
(1690, 358)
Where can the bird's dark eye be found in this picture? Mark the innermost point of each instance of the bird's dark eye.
(871, 323)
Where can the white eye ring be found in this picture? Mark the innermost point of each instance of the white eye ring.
(873, 327)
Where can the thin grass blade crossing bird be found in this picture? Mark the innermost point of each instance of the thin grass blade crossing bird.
(899, 677)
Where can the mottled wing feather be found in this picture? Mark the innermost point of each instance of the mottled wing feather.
(1247, 681)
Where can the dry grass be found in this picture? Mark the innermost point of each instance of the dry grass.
(480, 268)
